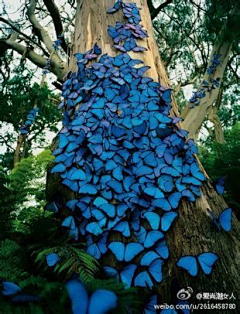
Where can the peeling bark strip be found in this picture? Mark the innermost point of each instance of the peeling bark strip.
(194, 232)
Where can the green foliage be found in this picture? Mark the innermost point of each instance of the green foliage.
(18, 95)
(72, 260)
(27, 178)
(220, 159)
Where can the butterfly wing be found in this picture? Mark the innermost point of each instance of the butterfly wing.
(148, 258)
(206, 261)
(123, 227)
(132, 250)
(152, 237)
(78, 296)
(155, 269)
(174, 199)
(101, 302)
(167, 220)
(143, 280)
(23, 298)
(52, 259)
(111, 272)
(153, 219)
(225, 219)
(220, 185)
(189, 263)
(127, 275)
(162, 249)
(118, 250)
(10, 288)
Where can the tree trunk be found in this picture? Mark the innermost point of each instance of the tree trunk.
(194, 231)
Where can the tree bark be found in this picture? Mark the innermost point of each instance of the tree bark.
(194, 118)
(194, 231)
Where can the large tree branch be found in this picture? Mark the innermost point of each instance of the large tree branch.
(57, 21)
(155, 11)
(55, 67)
(194, 118)
(24, 35)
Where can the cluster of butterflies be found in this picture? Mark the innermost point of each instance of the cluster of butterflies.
(119, 143)
(214, 64)
(129, 165)
(206, 86)
(24, 130)
(124, 35)
(16, 294)
(201, 93)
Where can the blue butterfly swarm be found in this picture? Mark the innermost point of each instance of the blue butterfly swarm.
(206, 86)
(24, 130)
(124, 157)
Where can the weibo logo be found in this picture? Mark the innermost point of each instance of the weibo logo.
(185, 294)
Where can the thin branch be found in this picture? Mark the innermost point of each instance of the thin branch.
(40, 31)
(197, 6)
(57, 20)
(155, 11)
(5, 141)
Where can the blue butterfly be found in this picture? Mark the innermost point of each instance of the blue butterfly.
(220, 184)
(126, 275)
(148, 239)
(165, 221)
(224, 220)
(167, 204)
(53, 206)
(58, 168)
(95, 227)
(206, 261)
(124, 228)
(101, 301)
(10, 288)
(52, 259)
(162, 249)
(125, 252)
(69, 222)
(143, 280)
(96, 249)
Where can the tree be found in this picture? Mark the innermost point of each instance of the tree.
(18, 96)
(188, 36)
(194, 231)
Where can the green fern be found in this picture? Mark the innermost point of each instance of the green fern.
(72, 260)
(13, 262)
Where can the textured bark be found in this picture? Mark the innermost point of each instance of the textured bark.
(194, 118)
(194, 231)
